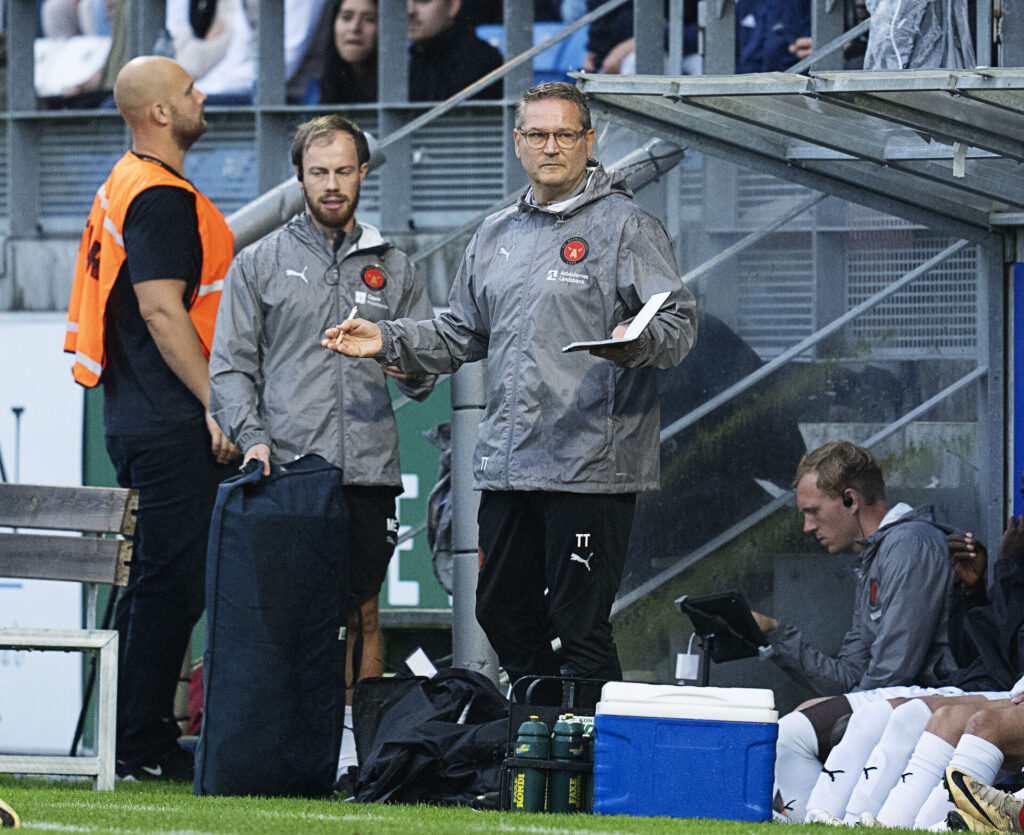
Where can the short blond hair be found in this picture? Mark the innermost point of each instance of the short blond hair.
(842, 466)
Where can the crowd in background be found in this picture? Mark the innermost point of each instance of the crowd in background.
(330, 46)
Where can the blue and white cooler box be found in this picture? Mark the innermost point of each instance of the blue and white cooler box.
(685, 752)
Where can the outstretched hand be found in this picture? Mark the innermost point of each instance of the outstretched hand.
(354, 338)
(967, 557)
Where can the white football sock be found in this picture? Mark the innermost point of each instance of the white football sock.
(935, 808)
(796, 763)
(888, 760)
(924, 771)
(347, 757)
(978, 757)
(838, 776)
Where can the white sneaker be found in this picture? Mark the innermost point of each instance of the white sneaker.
(870, 821)
(821, 816)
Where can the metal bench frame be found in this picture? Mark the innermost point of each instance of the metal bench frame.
(89, 560)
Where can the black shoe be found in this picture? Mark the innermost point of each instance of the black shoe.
(174, 764)
(346, 784)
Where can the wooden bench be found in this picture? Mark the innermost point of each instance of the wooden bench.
(82, 559)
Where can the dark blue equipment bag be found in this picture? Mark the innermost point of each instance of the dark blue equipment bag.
(274, 666)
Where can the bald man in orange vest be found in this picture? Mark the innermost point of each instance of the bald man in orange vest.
(147, 284)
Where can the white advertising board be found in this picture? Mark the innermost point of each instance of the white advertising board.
(40, 692)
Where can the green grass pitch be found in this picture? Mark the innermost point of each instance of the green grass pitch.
(72, 806)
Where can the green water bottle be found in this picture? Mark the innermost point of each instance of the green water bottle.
(588, 777)
(566, 787)
(529, 785)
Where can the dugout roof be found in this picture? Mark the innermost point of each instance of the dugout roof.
(939, 147)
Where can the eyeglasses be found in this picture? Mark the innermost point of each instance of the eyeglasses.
(566, 139)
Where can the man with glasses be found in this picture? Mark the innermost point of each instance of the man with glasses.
(567, 439)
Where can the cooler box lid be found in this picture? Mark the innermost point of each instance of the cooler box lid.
(669, 701)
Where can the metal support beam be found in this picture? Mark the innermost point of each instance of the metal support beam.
(1010, 33)
(749, 240)
(727, 143)
(649, 36)
(270, 80)
(470, 648)
(717, 21)
(146, 20)
(808, 342)
(827, 24)
(393, 85)
(518, 19)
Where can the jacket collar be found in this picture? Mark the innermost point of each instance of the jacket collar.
(305, 230)
(598, 184)
(899, 514)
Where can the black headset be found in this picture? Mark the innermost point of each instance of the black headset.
(847, 500)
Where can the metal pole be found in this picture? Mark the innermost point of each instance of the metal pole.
(470, 648)
(17, 442)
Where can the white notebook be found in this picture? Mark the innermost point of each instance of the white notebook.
(636, 327)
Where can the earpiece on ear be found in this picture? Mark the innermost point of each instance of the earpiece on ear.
(847, 500)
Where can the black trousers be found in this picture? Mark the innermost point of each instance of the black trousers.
(177, 477)
(552, 565)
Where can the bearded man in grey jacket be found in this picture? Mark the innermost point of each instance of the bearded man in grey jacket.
(567, 439)
(279, 396)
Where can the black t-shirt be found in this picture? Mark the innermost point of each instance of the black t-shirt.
(142, 396)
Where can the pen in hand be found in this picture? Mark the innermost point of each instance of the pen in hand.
(352, 313)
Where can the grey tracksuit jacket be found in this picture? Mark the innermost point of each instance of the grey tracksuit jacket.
(531, 281)
(272, 382)
(899, 634)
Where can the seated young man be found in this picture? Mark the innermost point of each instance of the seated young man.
(891, 749)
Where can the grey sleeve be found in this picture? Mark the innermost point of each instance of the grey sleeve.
(235, 361)
(442, 344)
(415, 304)
(820, 673)
(913, 585)
(647, 265)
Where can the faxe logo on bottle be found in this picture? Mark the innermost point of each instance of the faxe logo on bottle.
(575, 801)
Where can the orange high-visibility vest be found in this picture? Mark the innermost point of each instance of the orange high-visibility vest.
(101, 255)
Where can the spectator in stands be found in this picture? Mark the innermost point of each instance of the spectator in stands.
(67, 18)
(350, 73)
(610, 39)
(97, 90)
(611, 47)
(765, 31)
(216, 43)
(446, 56)
(854, 11)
